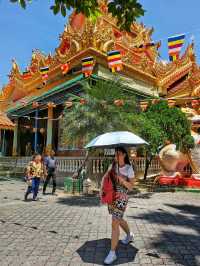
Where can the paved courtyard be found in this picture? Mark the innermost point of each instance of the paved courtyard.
(75, 231)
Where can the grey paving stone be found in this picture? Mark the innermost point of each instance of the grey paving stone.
(65, 231)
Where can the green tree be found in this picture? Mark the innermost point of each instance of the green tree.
(100, 114)
(126, 11)
(160, 122)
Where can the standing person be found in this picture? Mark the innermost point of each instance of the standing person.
(28, 151)
(123, 182)
(51, 169)
(37, 171)
(28, 177)
(39, 149)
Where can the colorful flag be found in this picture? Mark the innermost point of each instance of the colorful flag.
(44, 72)
(87, 66)
(174, 46)
(26, 75)
(114, 60)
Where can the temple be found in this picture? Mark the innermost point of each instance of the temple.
(34, 100)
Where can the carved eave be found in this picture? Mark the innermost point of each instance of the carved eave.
(184, 89)
(169, 73)
(104, 36)
(101, 58)
(6, 92)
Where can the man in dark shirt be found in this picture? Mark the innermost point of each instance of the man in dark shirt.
(50, 163)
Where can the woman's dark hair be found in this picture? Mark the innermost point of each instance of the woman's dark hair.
(123, 150)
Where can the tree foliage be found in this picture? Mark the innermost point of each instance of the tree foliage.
(99, 114)
(172, 124)
(125, 11)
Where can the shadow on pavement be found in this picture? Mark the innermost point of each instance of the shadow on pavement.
(139, 195)
(176, 239)
(81, 201)
(95, 251)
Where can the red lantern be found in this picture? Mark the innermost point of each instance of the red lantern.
(82, 101)
(64, 68)
(171, 103)
(68, 104)
(35, 104)
(42, 130)
(119, 102)
(155, 101)
(195, 104)
(51, 105)
(143, 105)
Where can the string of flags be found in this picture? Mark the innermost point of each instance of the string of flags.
(114, 59)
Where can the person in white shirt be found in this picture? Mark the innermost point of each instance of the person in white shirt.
(124, 182)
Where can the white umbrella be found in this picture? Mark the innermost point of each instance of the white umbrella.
(116, 139)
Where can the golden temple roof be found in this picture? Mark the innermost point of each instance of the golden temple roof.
(84, 37)
(5, 122)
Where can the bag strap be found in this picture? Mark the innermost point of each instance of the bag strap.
(112, 175)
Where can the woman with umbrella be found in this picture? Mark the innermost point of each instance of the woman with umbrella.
(124, 182)
(121, 175)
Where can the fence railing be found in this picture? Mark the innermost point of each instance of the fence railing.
(71, 164)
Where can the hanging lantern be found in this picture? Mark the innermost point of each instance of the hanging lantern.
(34, 130)
(42, 130)
(114, 60)
(44, 73)
(143, 105)
(83, 101)
(51, 105)
(119, 102)
(68, 104)
(171, 103)
(87, 66)
(155, 101)
(27, 126)
(35, 104)
(64, 68)
(103, 103)
(195, 104)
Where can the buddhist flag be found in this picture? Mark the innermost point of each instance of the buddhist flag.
(174, 46)
(114, 60)
(87, 66)
(26, 75)
(44, 72)
(64, 68)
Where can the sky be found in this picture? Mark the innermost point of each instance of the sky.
(21, 31)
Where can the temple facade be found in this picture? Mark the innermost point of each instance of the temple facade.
(34, 100)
